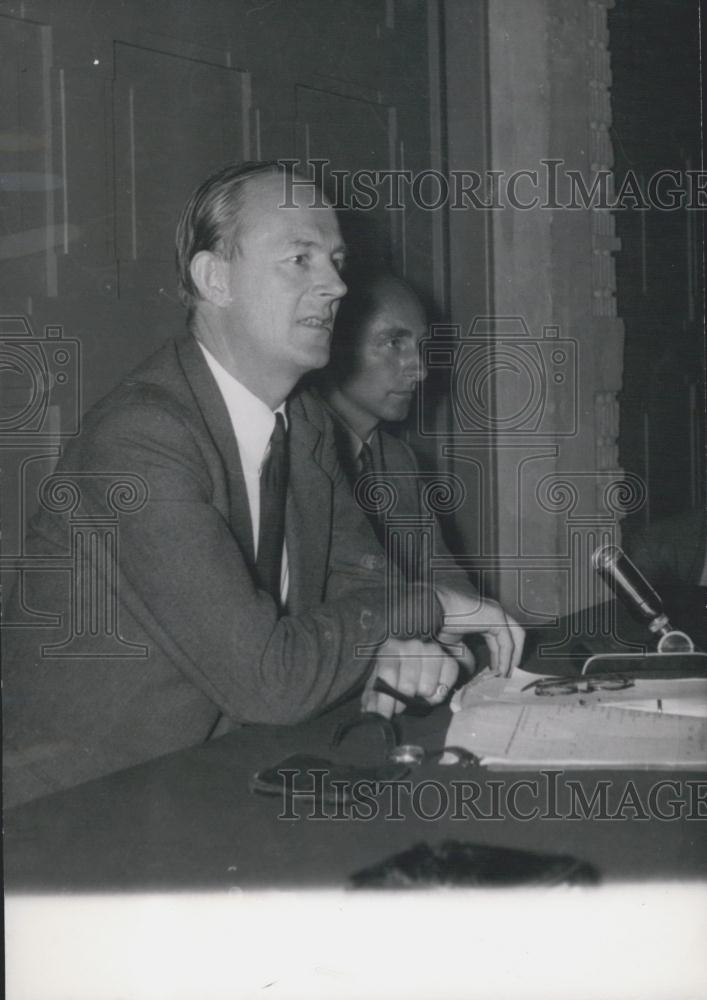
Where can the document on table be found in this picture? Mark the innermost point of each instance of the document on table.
(510, 728)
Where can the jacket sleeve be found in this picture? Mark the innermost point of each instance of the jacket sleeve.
(184, 579)
(452, 576)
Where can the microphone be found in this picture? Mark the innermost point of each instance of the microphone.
(612, 563)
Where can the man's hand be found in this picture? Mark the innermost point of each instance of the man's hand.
(464, 614)
(412, 667)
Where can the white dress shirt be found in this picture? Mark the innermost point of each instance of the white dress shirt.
(253, 423)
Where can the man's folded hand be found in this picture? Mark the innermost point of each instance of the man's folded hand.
(412, 667)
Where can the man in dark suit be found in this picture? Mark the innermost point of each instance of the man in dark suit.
(240, 584)
(171, 628)
(371, 379)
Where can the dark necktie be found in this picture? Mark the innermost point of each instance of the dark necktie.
(366, 466)
(273, 497)
(365, 460)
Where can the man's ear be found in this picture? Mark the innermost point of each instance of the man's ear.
(209, 273)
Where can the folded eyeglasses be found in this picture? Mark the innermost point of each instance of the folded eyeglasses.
(548, 686)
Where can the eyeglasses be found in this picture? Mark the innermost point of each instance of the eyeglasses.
(548, 686)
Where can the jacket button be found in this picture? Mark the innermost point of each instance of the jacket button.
(366, 618)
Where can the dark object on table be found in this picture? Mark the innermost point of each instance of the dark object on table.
(414, 704)
(320, 779)
(455, 863)
(386, 728)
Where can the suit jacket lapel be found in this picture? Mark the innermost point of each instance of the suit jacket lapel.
(218, 422)
(309, 498)
(344, 451)
(309, 506)
(378, 452)
(392, 458)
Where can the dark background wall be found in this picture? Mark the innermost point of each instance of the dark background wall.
(110, 113)
(656, 109)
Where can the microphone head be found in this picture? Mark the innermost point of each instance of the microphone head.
(612, 563)
(606, 557)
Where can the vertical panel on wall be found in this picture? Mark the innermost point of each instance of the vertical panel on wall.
(354, 136)
(84, 201)
(29, 184)
(124, 107)
(177, 119)
(656, 104)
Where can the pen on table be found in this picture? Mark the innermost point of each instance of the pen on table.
(415, 704)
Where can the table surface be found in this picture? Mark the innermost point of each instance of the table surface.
(189, 821)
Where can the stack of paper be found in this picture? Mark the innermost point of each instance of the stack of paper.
(653, 724)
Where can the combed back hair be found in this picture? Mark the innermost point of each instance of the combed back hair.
(211, 220)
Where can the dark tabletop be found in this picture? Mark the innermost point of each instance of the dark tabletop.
(188, 820)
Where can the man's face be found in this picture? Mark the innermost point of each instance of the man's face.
(284, 285)
(387, 366)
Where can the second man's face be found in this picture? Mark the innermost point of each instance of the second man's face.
(388, 365)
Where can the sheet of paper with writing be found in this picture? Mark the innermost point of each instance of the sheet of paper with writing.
(638, 727)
